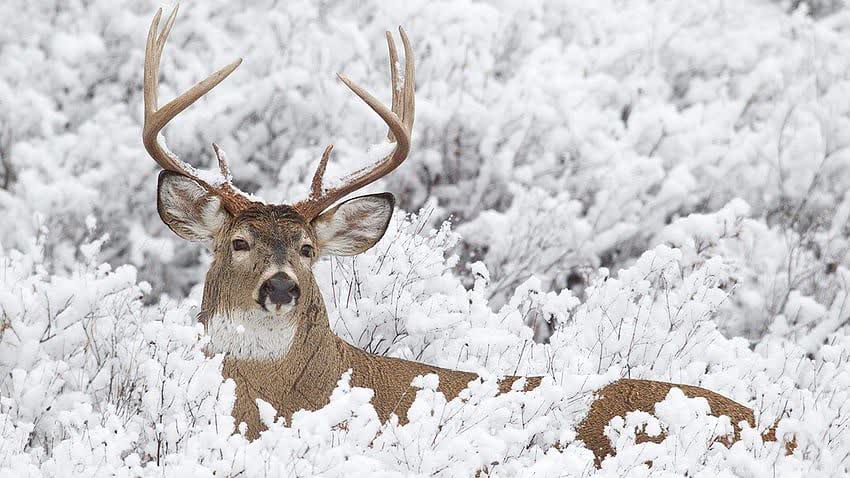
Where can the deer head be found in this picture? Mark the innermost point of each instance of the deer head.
(260, 285)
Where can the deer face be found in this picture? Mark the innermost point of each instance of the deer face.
(260, 282)
(261, 260)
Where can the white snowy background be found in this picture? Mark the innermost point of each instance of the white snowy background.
(597, 189)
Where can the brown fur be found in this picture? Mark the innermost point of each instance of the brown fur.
(627, 395)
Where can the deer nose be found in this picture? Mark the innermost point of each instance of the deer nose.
(279, 289)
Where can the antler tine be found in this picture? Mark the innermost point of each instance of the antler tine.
(410, 80)
(316, 184)
(156, 118)
(396, 105)
(223, 167)
(399, 121)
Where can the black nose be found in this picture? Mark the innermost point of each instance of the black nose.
(279, 289)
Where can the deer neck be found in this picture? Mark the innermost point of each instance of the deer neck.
(291, 362)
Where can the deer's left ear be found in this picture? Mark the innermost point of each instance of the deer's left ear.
(355, 225)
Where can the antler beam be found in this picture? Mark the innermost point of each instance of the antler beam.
(156, 118)
(399, 120)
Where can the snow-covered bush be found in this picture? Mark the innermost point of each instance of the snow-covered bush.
(655, 189)
(98, 383)
(585, 127)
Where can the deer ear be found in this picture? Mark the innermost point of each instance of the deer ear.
(188, 209)
(355, 225)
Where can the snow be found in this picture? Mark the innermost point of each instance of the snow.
(654, 189)
(213, 178)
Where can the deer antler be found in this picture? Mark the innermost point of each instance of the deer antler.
(156, 118)
(399, 120)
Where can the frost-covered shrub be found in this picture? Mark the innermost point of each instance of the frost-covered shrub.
(584, 127)
(659, 189)
(95, 381)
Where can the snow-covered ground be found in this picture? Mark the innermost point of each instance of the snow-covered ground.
(655, 189)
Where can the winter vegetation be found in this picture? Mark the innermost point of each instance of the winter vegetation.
(605, 189)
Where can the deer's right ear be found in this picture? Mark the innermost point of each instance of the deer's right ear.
(188, 209)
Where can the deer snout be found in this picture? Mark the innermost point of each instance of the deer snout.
(279, 289)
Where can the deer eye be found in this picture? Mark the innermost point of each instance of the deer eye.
(307, 250)
(240, 245)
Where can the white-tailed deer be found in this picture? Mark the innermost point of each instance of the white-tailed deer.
(261, 305)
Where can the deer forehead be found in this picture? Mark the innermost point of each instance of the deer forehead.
(272, 225)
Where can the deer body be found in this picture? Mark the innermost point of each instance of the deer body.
(307, 373)
(262, 307)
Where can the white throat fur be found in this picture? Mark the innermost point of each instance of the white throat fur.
(257, 334)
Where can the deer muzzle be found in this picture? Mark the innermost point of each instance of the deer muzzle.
(278, 290)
